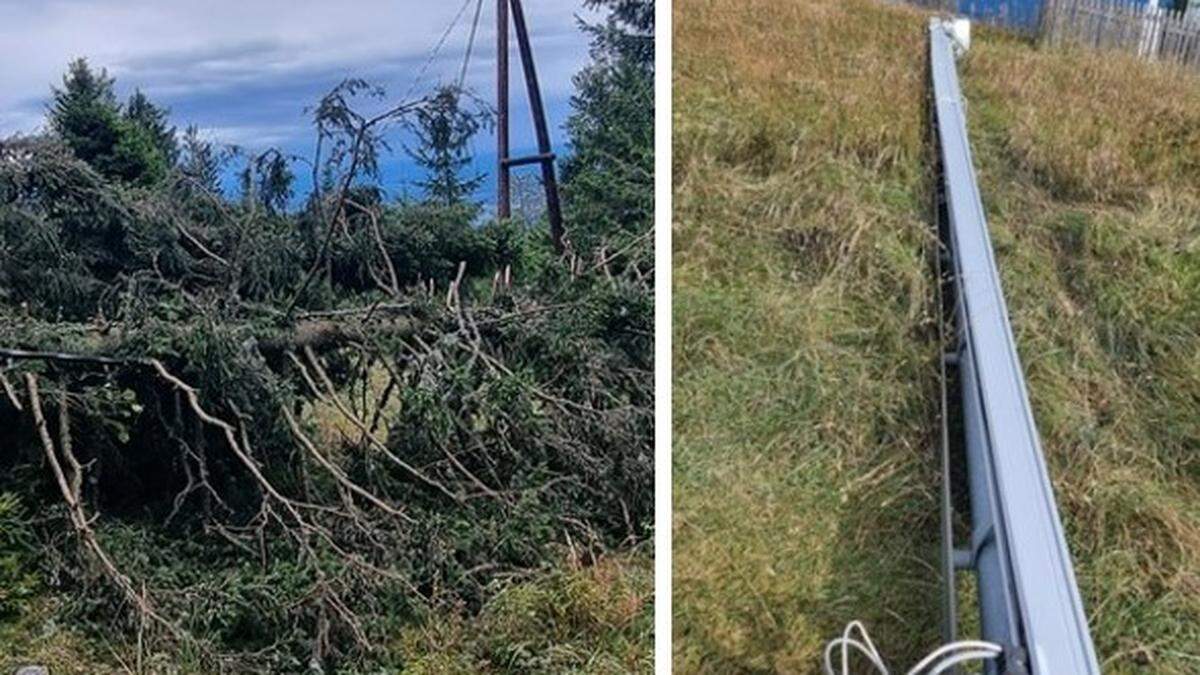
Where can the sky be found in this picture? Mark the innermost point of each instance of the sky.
(244, 71)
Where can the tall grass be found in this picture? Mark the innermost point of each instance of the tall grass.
(804, 478)
(596, 619)
(804, 468)
(1090, 170)
(580, 616)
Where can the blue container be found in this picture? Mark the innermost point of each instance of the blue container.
(1019, 14)
(1022, 15)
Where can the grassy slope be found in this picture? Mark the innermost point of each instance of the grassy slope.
(1090, 170)
(804, 481)
(803, 360)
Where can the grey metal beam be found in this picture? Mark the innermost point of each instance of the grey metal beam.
(1029, 596)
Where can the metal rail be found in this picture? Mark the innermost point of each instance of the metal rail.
(1029, 601)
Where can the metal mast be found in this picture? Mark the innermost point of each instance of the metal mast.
(545, 155)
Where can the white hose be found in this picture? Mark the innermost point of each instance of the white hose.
(962, 658)
(845, 643)
(978, 645)
(940, 660)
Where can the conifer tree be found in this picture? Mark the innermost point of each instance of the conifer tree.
(86, 116)
(608, 182)
(267, 181)
(199, 161)
(85, 113)
(155, 120)
(275, 180)
(444, 130)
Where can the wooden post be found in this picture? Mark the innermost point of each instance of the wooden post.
(503, 187)
(545, 151)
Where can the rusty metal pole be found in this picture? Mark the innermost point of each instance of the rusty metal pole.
(553, 207)
(503, 186)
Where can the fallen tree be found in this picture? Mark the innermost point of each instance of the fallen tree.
(262, 439)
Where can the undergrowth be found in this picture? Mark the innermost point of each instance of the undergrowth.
(570, 617)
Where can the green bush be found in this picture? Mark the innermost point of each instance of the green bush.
(18, 580)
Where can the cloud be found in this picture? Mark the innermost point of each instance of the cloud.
(247, 68)
(252, 135)
(25, 119)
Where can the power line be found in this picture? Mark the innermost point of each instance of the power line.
(433, 54)
(462, 76)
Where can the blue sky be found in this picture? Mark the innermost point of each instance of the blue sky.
(245, 70)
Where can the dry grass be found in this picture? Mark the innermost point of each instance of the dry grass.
(803, 465)
(1089, 126)
(804, 482)
(1092, 183)
(576, 619)
(35, 638)
(330, 427)
(1101, 127)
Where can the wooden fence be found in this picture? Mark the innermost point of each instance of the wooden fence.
(1151, 33)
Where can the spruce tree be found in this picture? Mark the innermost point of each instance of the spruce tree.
(85, 113)
(86, 116)
(444, 130)
(275, 180)
(199, 162)
(267, 181)
(141, 111)
(608, 181)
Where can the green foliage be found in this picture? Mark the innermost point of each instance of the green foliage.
(155, 121)
(64, 231)
(136, 158)
(424, 241)
(541, 392)
(444, 130)
(608, 180)
(395, 408)
(18, 582)
(267, 182)
(85, 114)
(200, 162)
(630, 27)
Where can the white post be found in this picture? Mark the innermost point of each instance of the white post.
(1151, 35)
